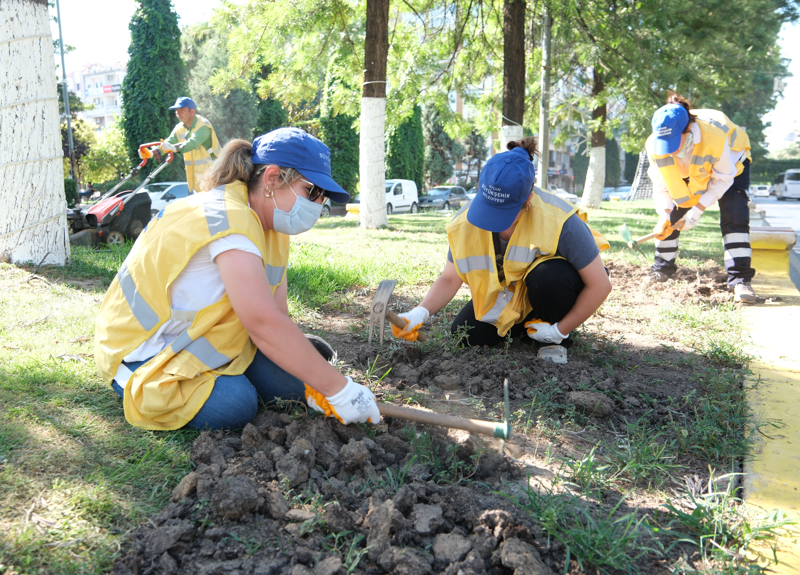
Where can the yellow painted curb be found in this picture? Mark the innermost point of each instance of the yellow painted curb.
(772, 477)
(771, 249)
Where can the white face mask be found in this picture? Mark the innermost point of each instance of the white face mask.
(688, 145)
(301, 218)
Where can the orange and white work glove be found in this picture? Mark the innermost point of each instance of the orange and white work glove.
(544, 332)
(415, 318)
(692, 218)
(353, 404)
(664, 226)
(145, 153)
(167, 147)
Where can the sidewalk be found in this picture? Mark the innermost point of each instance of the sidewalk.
(772, 477)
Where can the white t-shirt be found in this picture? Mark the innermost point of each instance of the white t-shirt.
(198, 286)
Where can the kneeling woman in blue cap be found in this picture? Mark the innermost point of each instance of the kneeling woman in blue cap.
(697, 158)
(195, 328)
(530, 261)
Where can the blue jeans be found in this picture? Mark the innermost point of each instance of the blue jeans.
(234, 400)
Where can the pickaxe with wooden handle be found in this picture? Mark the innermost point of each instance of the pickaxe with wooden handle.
(379, 310)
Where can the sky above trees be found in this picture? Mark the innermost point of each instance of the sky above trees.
(107, 43)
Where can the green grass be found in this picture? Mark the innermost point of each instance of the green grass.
(68, 456)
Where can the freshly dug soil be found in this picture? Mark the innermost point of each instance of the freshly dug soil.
(303, 494)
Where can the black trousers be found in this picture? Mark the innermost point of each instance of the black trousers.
(734, 222)
(553, 287)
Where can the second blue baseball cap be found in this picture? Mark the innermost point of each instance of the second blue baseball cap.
(184, 102)
(294, 148)
(668, 124)
(505, 184)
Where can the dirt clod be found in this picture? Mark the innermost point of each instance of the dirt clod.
(592, 403)
(522, 558)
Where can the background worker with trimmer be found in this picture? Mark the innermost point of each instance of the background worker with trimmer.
(194, 137)
(698, 157)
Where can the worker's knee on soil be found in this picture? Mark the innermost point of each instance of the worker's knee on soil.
(553, 288)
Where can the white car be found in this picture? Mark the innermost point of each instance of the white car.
(563, 194)
(163, 193)
(401, 196)
(759, 191)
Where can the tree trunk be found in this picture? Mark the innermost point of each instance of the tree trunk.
(596, 175)
(372, 166)
(33, 219)
(513, 71)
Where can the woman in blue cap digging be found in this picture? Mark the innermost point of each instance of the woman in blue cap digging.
(697, 158)
(532, 264)
(195, 328)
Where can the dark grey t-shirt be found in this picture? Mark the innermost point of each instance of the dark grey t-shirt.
(576, 244)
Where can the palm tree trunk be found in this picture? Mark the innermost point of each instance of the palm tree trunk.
(33, 220)
(373, 117)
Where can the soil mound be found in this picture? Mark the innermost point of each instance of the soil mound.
(292, 497)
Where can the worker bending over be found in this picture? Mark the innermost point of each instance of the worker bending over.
(532, 264)
(697, 158)
(195, 328)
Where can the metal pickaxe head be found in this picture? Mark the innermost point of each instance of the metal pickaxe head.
(380, 303)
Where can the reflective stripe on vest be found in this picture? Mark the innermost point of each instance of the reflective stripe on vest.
(201, 348)
(196, 162)
(474, 263)
(216, 216)
(661, 162)
(700, 160)
(500, 303)
(523, 254)
(142, 311)
(274, 274)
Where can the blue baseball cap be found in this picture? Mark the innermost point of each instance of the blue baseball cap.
(505, 184)
(668, 124)
(294, 148)
(184, 102)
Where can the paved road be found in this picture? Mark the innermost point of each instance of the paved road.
(785, 215)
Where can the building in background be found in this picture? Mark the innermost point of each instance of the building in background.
(99, 86)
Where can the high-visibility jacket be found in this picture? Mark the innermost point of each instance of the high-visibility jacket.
(198, 160)
(715, 129)
(535, 239)
(169, 390)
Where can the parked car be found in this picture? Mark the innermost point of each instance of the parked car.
(787, 185)
(401, 196)
(444, 197)
(607, 193)
(761, 191)
(471, 195)
(562, 193)
(163, 193)
(621, 193)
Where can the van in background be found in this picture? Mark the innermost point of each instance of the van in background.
(401, 196)
(787, 185)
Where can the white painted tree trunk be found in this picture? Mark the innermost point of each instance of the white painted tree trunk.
(509, 134)
(33, 220)
(372, 165)
(595, 178)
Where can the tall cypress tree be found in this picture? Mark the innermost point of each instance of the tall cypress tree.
(156, 77)
(338, 134)
(405, 150)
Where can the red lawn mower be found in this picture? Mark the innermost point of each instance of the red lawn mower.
(118, 216)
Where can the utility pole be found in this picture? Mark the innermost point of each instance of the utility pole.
(544, 112)
(65, 90)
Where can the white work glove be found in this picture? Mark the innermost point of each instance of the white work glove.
(544, 332)
(353, 404)
(691, 219)
(167, 147)
(415, 318)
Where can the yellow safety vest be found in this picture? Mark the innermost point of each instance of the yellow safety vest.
(198, 160)
(535, 239)
(715, 128)
(169, 390)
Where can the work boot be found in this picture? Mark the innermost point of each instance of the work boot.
(658, 277)
(553, 354)
(743, 292)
